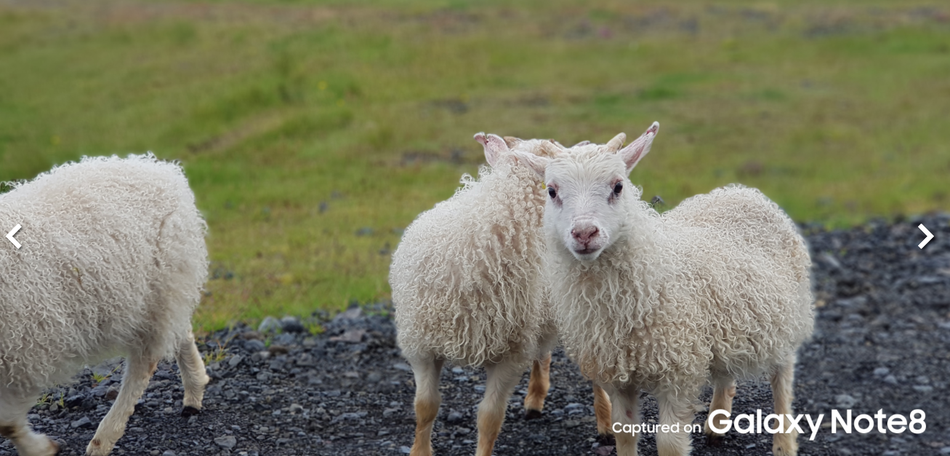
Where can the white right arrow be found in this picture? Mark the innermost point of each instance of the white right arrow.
(10, 236)
(922, 228)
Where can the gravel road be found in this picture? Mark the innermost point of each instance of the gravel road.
(882, 342)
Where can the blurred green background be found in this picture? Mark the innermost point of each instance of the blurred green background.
(313, 132)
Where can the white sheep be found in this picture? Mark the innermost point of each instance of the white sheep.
(112, 261)
(718, 287)
(467, 287)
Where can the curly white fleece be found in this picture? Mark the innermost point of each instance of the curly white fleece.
(112, 261)
(719, 284)
(466, 277)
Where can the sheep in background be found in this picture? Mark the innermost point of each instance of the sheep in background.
(113, 261)
(467, 287)
(718, 287)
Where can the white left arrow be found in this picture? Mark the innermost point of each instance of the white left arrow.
(17, 228)
(922, 228)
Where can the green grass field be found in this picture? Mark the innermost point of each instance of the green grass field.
(312, 132)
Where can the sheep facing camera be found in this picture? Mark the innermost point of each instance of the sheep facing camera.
(725, 299)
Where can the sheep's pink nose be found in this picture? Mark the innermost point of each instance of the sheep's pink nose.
(583, 234)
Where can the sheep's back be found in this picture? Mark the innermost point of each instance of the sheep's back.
(465, 276)
(112, 259)
(750, 268)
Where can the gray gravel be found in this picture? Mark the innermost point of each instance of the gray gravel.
(882, 341)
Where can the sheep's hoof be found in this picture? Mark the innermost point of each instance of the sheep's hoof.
(189, 411)
(421, 450)
(606, 439)
(714, 440)
(96, 448)
(531, 414)
(787, 449)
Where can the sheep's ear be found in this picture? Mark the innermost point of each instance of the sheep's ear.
(639, 147)
(512, 141)
(616, 143)
(582, 143)
(534, 162)
(494, 147)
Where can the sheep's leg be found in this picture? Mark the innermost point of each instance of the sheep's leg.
(538, 387)
(602, 413)
(500, 383)
(676, 412)
(724, 389)
(784, 444)
(428, 399)
(13, 425)
(138, 371)
(625, 412)
(193, 375)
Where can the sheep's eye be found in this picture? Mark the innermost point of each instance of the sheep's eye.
(552, 192)
(618, 188)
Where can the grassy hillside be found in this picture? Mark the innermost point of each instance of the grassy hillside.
(313, 132)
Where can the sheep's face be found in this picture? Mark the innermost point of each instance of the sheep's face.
(588, 190)
(585, 208)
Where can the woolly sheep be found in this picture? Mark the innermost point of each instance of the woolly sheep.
(467, 287)
(112, 261)
(718, 287)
